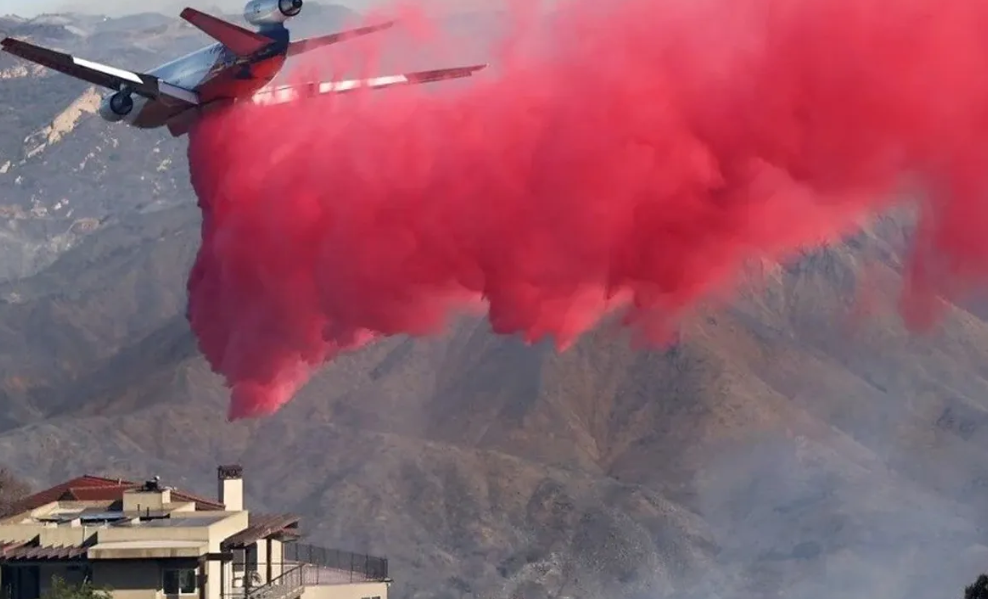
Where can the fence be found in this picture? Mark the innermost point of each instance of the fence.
(359, 566)
(287, 586)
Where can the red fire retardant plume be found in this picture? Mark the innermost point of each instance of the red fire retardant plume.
(637, 151)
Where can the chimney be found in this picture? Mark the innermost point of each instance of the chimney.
(231, 487)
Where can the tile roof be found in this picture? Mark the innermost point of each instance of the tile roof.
(260, 526)
(97, 488)
(114, 493)
(201, 502)
(57, 492)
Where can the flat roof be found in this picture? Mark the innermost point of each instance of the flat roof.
(147, 549)
(94, 514)
(182, 522)
(146, 544)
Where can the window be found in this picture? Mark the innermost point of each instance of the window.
(180, 582)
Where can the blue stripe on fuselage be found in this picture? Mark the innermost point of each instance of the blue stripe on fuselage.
(276, 31)
(280, 35)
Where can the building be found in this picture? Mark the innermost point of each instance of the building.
(149, 541)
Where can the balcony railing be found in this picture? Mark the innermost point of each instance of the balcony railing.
(358, 566)
(289, 585)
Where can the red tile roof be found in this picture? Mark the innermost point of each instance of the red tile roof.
(114, 493)
(57, 492)
(202, 503)
(97, 488)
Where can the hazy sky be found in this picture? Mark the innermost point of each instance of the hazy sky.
(30, 8)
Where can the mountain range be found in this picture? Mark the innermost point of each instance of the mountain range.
(798, 441)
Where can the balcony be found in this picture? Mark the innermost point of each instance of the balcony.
(308, 565)
(330, 566)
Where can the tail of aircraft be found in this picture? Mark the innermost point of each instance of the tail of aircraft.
(240, 41)
(244, 42)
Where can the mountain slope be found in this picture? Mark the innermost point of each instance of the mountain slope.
(765, 451)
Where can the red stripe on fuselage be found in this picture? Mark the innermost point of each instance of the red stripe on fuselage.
(230, 82)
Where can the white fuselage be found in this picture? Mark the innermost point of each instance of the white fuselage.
(189, 72)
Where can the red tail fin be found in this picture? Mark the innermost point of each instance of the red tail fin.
(240, 41)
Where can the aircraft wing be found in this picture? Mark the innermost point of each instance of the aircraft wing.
(311, 43)
(99, 74)
(288, 93)
(281, 94)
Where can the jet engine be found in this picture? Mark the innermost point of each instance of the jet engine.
(271, 12)
(115, 107)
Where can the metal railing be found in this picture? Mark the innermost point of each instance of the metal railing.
(359, 566)
(287, 586)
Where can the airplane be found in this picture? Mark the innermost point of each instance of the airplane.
(238, 67)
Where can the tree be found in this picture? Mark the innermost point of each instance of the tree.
(12, 490)
(978, 590)
(60, 589)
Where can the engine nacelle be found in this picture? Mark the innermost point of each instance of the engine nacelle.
(116, 107)
(271, 12)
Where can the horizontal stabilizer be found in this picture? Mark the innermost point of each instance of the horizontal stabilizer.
(240, 41)
(288, 93)
(311, 43)
(103, 75)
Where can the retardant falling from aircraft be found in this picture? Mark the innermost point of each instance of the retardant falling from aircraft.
(644, 148)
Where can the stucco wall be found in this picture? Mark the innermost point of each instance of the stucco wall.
(347, 591)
